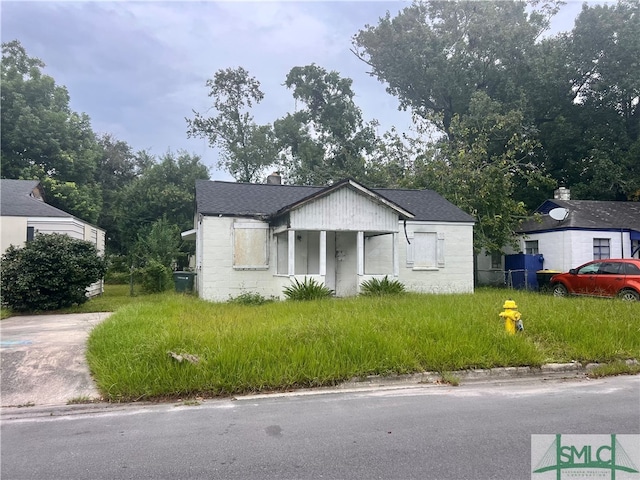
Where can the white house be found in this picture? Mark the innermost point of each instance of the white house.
(572, 232)
(259, 237)
(24, 213)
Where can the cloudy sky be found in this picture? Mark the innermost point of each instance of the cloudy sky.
(139, 68)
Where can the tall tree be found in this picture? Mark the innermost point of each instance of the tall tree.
(117, 167)
(43, 138)
(578, 92)
(246, 148)
(603, 122)
(435, 55)
(327, 139)
(480, 170)
(164, 190)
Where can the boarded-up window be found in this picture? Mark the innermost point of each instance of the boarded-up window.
(250, 246)
(426, 250)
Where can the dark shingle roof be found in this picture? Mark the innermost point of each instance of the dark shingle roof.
(253, 199)
(16, 200)
(587, 214)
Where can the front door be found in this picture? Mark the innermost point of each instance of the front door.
(346, 264)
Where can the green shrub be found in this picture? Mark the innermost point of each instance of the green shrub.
(250, 298)
(307, 290)
(50, 272)
(118, 270)
(376, 287)
(117, 278)
(155, 277)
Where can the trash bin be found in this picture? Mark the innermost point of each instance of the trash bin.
(544, 279)
(184, 281)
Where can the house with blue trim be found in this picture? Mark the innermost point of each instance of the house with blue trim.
(568, 233)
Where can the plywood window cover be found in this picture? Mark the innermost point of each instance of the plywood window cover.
(256, 257)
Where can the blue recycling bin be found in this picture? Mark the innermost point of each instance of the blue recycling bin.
(520, 270)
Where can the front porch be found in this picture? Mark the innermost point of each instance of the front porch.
(341, 260)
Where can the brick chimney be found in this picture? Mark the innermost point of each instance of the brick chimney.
(274, 179)
(562, 193)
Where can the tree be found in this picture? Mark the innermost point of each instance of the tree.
(43, 138)
(435, 55)
(117, 167)
(480, 169)
(391, 163)
(326, 140)
(578, 93)
(165, 189)
(156, 251)
(246, 148)
(593, 143)
(50, 272)
(160, 243)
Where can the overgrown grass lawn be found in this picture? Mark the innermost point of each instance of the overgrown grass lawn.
(290, 344)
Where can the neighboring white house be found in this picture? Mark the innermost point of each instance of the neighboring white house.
(259, 237)
(573, 232)
(24, 214)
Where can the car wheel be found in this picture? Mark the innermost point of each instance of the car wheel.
(559, 290)
(629, 295)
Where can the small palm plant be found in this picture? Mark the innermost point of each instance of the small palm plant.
(307, 290)
(377, 288)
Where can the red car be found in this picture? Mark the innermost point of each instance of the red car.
(601, 278)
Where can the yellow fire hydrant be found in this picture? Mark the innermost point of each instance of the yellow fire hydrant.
(511, 317)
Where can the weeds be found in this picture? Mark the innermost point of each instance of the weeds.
(614, 368)
(250, 298)
(83, 399)
(376, 287)
(450, 379)
(309, 289)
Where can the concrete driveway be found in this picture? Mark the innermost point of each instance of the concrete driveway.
(43, 359)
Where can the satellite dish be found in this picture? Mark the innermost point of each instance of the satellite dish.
(559, 213)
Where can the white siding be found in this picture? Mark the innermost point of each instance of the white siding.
(566, 249)
(454, 270)
(68, 226)
(217, 278)
(343, 210)
(13, 231)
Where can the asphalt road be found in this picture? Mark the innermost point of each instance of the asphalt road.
(474, 431)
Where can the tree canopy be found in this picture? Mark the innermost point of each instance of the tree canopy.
(43, 138)
(326, 140)
(97, 178)
(245, 147)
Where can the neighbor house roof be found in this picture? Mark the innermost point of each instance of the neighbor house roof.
(23, 198)
(265, 200)
(586, 215)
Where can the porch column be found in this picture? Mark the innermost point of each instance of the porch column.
(395, 255)
(292, 252)
(360, 253)
(323, 252)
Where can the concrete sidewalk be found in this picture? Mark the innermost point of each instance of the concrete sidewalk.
(43, 359)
